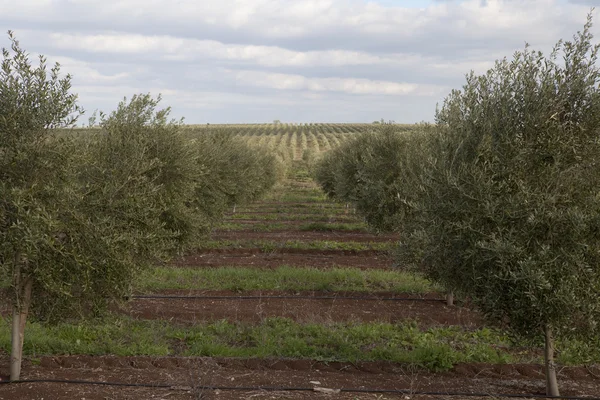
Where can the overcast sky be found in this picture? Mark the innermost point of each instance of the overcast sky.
(235, 61)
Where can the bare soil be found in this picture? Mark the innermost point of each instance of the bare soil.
(256, 258)
(185, 376)
(284, 235)
(427, 310)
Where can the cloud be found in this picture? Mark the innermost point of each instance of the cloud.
(182, 49)
(236, 60)
(351, 86)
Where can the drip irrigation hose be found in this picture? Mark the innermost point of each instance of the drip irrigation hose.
(299, 389)
(283, 297)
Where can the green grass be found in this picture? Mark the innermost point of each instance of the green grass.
(271, 245)
(436, 349)
(297, 217)
(300, 206)
(296, 197)
(292, 210)
(334, 227)
(308, 227)
(283, 278)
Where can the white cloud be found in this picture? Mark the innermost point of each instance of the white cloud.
(179, 49)
(345, 85)
(84, 72)
(307, 59)
(298, 19)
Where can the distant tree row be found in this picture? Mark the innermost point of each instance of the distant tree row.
(498, 201)
(83, 211)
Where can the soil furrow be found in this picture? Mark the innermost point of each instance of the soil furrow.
(284, 235)
(255, 258)
(188, 374)
(197, 310)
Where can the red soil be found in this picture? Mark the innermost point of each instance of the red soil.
(427, 311)
(255, 258)
(284, 235)
(185, 375)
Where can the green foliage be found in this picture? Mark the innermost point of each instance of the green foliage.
(283, 278)
(509, 211)
(233, 173)
(36, 189)
(147, 191)
(436, 348)
(371, 171)
(127, 206)
(82, 214)
(139, 162)
(326, 169)
(499, 200)
(79, 216)
(332, 227)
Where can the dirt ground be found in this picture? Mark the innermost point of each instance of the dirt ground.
(428, 311)
(256, 258)
(283, 235)
(184, 378)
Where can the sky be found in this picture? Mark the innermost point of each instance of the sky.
(300, 61)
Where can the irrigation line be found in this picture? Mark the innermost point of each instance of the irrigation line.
(299, 389)
(283, 297)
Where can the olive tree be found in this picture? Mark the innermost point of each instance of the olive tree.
(33, 101)
(371, 172)
(232, 173)
(140, 161)
(79, 216)
(507, 210)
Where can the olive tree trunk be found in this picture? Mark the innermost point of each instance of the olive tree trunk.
(19, 319)
(551, 381)
(450, 298)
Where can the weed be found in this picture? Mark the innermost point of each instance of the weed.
(283, 278)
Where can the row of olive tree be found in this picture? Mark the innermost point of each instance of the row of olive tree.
(369, 172)
(81, 212)
(232, 172)
(499, 200)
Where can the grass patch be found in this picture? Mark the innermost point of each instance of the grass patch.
(283, 278)
(308, 227)
(301, 206)
(116, 336)
(297, 197)
(341, 218)
(316, 210)
(436, 349)
(265, 227)
(290, 194)
(334, 227)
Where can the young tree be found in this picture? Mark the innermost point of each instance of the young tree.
(80, 215)
(138, 148)
(33, 101)
(508, 210)
(78, 218)
(232, 173)
(372, 171)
